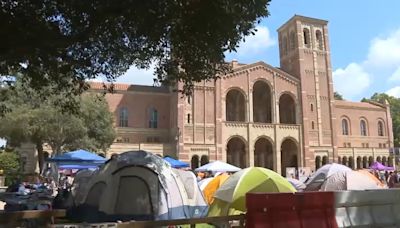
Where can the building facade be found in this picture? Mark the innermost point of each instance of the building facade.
(258, 115)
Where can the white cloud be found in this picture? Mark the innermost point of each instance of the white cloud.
(351, 81)
(396, 75)
(395, 91)
(254, 44)
(385, 52)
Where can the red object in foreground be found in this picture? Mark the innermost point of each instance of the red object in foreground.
(288, 210)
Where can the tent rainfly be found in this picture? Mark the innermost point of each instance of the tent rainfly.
(217, 166)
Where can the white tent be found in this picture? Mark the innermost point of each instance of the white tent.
(349, 180)
(139, 185)
(217, 166)
(318, 178)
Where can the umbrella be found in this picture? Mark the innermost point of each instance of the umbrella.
(229, 199)
(217, 166)
(176, 163)
(212, 187)
(350, 180)
(318, 178)
(379, 166)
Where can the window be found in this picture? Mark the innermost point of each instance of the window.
(367, 145)
(126, 140)
(348, 144)
(363, 128)
(380, 128)
(292, 40)
(318, 37)
(384, 145)
(380, 145)
(312, 125)
(312, 107)
(189, 99)
(306, 35)
(345, 127)
(123, 117)
(153, 118)
(188, 118)
(285, 45)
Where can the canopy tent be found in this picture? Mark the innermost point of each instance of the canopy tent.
(176, 163)
(380, 167)
(217, 166)
(318, 178)
(229, 199)
(77, 157)
(351, 180)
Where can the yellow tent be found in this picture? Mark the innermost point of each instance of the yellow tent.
(212, 187)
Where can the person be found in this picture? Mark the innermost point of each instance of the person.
(391, 180)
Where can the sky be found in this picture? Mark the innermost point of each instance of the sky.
(364, 39)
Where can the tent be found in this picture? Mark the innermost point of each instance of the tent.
(217, 166)
(298, 185)
(138, 185)
(80, 186)
(380, 167)
(213, 186)
(78, 158)
(318, 178)
(176, 163)
(229, 199)
(203, 183)
(350, 180)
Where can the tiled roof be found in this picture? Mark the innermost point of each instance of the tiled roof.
(356, 104)
(128, 87)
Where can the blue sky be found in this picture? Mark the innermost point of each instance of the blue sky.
(364, 39)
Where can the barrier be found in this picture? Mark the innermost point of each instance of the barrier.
(298, 210)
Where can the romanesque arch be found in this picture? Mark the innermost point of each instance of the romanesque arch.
(289, 153)
(194, 162)
(359, 163)
(235, 106)
(262, 102)
(365, 162)
(263, 153)
(287, 109)
(236, 152)
(370, 161)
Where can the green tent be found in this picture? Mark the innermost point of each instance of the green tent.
(231, 196)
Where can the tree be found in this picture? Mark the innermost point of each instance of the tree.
(67, 42)
(394, 111)
(337, 96)
(40, 120)
(10, 165)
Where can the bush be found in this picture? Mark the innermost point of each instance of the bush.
(10, 164)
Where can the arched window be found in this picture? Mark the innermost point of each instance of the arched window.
(153, 120)
(194, 162)
(204, 160)
(306, 35)
(189, 99)
(380, 128)
(312, 125)
(318, 162)
(345, 127)
(351, 162)
(344, 161)
(312, 107)
(292, 40)
(318, 37)
(123, 117)
(285, 45)
(363, 128)
(235, 106)
(325, 160)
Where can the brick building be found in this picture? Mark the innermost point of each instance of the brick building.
(259, 115)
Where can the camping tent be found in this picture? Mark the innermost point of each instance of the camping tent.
(79, 186)
(379, 166)
(318, 178)
(142, 186)
(229, 199)
(350, 180)
(213, 186)
(298, 185)
(176, 163)
(217, 166)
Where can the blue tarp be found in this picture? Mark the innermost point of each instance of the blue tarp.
(176, 163)
(78, 156)
(86, 166)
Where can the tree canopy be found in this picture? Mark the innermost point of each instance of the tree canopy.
(337, 96)
(64, 43)
(38, 119)
(394, 111)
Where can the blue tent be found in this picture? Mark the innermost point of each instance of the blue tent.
(176, 163)
(78, 158)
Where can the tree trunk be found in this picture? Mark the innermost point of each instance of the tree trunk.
(39, 148)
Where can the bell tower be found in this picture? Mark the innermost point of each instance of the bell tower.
(304, 53)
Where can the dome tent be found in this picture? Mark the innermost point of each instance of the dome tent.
(142, 186)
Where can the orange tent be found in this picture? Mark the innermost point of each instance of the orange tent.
(213, 186)
(370, 175)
